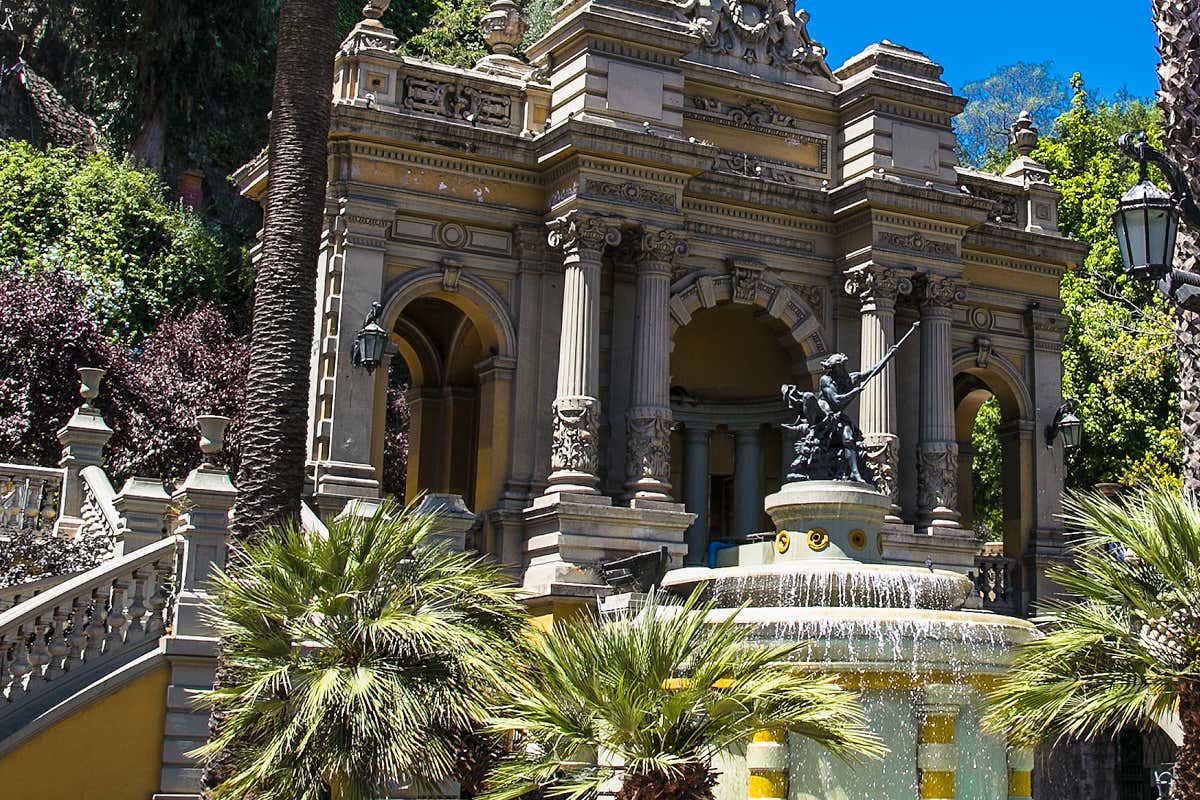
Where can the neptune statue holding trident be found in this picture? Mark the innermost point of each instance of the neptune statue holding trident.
(829, 446)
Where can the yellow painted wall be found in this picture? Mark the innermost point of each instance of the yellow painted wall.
(727, 352)
(111, 749)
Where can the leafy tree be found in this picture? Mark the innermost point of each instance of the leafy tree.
(30, 554)
(353, 661)
(452, 35)
(660, 694)
(396, 428)
(986, 483)
(994, 103)
(110, 224)
(1122, 644)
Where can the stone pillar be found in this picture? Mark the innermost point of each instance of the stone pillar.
(747, 480)
(574, 456)
(648, 421)
(966, 483)
(82, 439)
(937, 450)
(495, 422)
(142, 504)
(1020, 773)
(695, 492)
(937, 758)
(876, 289)
(767, 759)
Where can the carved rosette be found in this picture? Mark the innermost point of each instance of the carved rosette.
(937, 478)
(883, 451)
(574, 447)
(584, 234)
(661, 249)
(877, 285)
(648, 448)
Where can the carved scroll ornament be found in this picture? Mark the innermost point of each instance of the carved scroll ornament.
(576, 431)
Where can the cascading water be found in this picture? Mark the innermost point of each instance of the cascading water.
(898, 634)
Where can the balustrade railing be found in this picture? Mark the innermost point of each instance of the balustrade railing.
(995, 583)
(29, 497)
(119, 607)
(100, 517)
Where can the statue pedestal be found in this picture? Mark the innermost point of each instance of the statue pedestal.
(829, 520)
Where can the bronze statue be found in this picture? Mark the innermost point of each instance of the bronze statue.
(829, 446)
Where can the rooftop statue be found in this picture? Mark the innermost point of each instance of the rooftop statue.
(829, 446)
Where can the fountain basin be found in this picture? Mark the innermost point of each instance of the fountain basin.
(835, 583)
(827, 520)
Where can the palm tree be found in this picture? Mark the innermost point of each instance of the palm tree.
(271, 475)
(659, 695)
(354, 661)
(1178, 25)
(1122, 643)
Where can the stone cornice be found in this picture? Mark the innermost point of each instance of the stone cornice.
(753, 191)
(991, 243)
(878, 193)
(575, 137)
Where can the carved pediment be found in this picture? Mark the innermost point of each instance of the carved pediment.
(762, 37)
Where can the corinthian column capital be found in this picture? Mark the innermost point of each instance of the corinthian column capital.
(584, 234)
(660, 248)
(876, 284)
(938, 291)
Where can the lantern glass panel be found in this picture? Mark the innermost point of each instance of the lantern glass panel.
(1134, 220)
(1071, 429)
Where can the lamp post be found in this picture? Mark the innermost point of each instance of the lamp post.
(1147, 223)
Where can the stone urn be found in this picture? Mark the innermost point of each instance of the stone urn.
(212, 434)
(89, 382)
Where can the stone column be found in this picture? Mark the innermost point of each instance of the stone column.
(877, 288)
(937, 758)
(648, 421)
(966, 483)
(747, 480)
(1020, 773)
(695, 492)
(574, 455)
(937, 449)
(767, 759)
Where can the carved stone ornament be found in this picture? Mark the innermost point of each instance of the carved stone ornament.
(917, 243)
(939, 291)
(883, 451)
(374, 9)
(576, 431)
(765, 32)
(648, 448)
(937, 478)
(502, 27)
(877, 284)
(584, 232)
(744, 277)
(663, 247)
(1023, 135)
(983, 351)
(632, 192)
(457, 102)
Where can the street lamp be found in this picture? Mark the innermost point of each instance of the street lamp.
(1066, 424)
(370, 340)
(1147, 222)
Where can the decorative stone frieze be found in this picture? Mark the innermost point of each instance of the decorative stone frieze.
(768, 169)
(631, 192)
(754, 32)
(458, 102)
(917, 243)
(576, 431)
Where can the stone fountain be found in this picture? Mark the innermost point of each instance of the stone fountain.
(897, 634)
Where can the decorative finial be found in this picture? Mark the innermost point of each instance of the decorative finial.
(502, 27)
(1024, 136)
(212, 434)
(375, 9)
(89, 383)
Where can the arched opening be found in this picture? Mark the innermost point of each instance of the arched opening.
(727, 364)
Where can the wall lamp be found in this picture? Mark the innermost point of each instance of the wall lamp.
(1066, 424)
(370, 341)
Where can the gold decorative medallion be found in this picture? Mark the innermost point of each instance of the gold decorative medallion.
(858, 540)
(818, 539)
(783, 541)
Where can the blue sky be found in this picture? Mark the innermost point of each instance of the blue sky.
(1111, 42)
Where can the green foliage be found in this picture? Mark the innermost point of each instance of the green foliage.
(1118, 354)
(452, 34)
(538, 15)
(354, 660)
(986, 484)
(109, 224)
(1125, 633)
(994, 103)
(659, 693)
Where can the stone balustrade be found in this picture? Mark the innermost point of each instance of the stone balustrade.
(98, 512)
(29, 497)
(83, 625)
(995, 583)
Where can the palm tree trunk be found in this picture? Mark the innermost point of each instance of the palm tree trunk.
(271, 476)
(692, 781)
(1186, 774)
(1178, 25)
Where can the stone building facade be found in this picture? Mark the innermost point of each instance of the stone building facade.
(600, 261)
